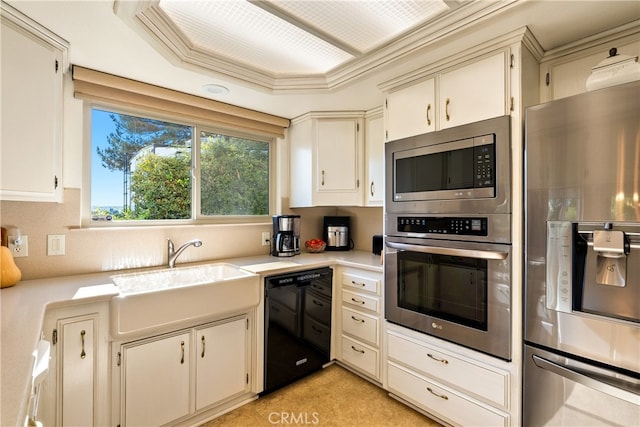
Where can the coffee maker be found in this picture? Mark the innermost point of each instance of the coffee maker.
(336, 232)
(286, 235)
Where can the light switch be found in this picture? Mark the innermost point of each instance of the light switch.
(55, 244)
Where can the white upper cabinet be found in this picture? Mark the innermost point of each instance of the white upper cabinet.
(467, 93)
(374, 153)
(411, 110)
(473, 92)
(33, 62)
(327, 159)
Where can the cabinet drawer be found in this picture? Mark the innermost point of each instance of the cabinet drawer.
(362, 301)
(360, 325)
(442, 401)
(361, 356)
(484, 383)
(354, 281)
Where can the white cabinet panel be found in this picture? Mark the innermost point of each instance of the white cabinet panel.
(474, 92)
(411, 110)
(221, 362)
(327, 155)
(32, 82)
(78, 372)
(156, 381)
(442, 401)
(374, 149)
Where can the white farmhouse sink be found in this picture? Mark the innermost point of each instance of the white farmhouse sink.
(153, 300)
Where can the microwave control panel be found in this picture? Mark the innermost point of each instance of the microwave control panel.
(443, 225)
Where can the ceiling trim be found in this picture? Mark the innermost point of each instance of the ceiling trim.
(151, 22)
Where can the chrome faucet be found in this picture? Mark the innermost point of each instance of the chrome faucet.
(172, 254)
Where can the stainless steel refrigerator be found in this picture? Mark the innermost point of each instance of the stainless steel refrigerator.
(582, 270)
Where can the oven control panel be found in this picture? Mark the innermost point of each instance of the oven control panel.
(443, 225)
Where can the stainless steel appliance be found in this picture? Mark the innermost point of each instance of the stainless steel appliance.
(297, 322)
(337, 233)
(582, 298)
(286, 235)
(466, 169)
(440, 282)
(448, 235)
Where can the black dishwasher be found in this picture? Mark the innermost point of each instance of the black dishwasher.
(297, 322)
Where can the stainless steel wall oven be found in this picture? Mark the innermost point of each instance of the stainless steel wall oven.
(448, 250)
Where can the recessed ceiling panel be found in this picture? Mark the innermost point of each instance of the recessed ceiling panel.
(243, 32)
(363, 24)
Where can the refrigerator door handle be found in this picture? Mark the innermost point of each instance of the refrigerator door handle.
(619, 390)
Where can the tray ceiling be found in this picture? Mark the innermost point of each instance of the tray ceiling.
(282, 44)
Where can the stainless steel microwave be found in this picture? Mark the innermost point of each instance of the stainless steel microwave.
(462, 169)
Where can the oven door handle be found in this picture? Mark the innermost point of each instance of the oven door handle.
(439, 250)
(583, 377)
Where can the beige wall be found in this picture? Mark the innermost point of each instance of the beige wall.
(93, 250)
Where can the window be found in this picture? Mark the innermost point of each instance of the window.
(146, 169)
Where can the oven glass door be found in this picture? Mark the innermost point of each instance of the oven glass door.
(448, 287)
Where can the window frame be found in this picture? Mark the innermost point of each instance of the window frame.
(197, 126)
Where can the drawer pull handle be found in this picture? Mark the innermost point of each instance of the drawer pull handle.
(182, 350)
(202, 354)
(428, 111)
(353, 282)
(446, 109)
(441, 396)
(316, 329)
(357, 349)
(437, 359)
(357, 320)
(318, 303)
(83, 353)
(357, 301)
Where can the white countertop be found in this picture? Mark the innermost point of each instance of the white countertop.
(25, 304)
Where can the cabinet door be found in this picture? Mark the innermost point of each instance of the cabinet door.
(338, 170)
(473, 92)
(221, 362)
(31, 140)
(156, 381)
(77, 372)
(375, 161)
(411, 111)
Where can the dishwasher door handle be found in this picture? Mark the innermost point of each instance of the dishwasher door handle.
(583, 377)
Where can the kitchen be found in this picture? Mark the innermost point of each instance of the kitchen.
(92, 250)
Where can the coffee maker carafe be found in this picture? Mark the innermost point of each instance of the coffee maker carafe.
(286, 235)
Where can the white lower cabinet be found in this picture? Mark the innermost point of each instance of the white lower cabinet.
(77, 370)
(360, 320)
(221, 362)
(176, 375)
(455, 388)
(156, 380)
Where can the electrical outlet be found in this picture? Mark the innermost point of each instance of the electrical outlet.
(266, 238)
(20, 250)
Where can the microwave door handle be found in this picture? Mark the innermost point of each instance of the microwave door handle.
(439, 250)
(583, 377)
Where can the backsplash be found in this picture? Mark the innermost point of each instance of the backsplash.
(92, 250)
